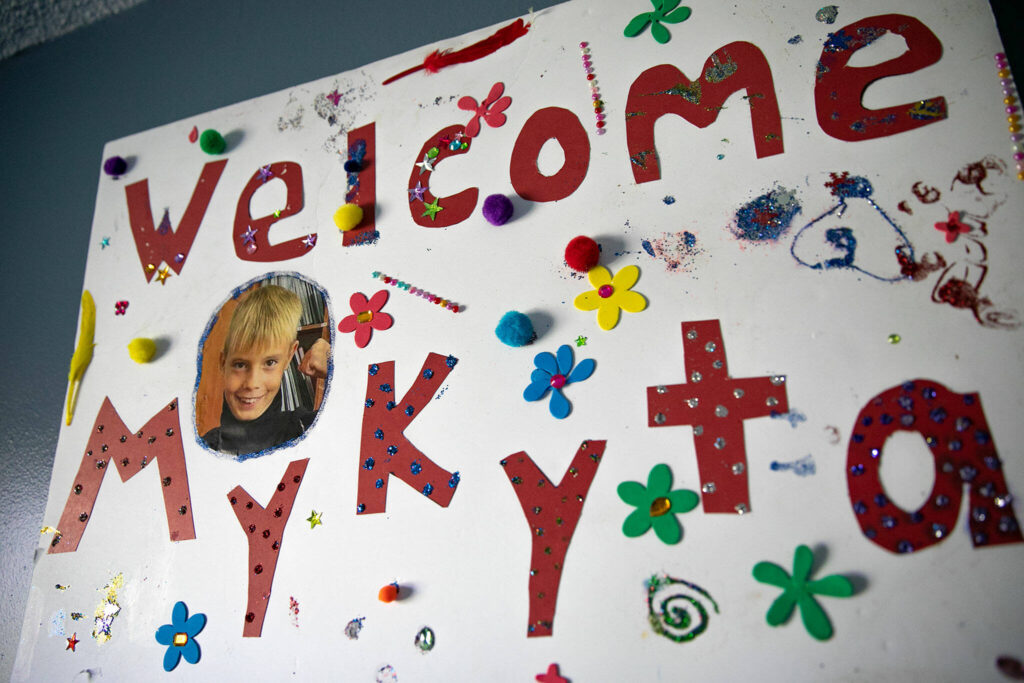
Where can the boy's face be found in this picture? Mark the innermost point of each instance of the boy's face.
(252, 378)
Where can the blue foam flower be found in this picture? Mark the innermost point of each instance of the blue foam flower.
(553, 374)
(179, 636)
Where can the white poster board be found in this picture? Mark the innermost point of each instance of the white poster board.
(834, 255)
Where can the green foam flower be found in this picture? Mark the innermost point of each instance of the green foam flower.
(799, 592)
(656, 505)
(664, 10)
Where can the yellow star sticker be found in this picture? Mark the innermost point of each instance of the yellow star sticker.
(431, 209)
(163, 274)
(314, 519)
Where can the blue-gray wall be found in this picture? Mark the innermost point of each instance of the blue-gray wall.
(159, 62)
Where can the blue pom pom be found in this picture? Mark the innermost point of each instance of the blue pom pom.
(515, 329)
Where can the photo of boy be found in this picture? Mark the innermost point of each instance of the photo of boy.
(260, 344)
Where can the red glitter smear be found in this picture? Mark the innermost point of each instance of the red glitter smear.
(918, 270)
(962, 294)
(926, 194)
(976, 172)
(1010, 667)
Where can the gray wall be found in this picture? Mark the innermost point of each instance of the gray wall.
(159, 62)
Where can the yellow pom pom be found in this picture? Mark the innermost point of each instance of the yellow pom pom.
(141, 349)
(348, 216)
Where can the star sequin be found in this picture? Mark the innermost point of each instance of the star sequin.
(552, 675)
(104, 243)
(163, 274)
(581, 340)
(72, 642)
(334, 96)
(309, 241)
(277, 214)
(314, 519)
(416, 192)
(120, 307)
(426, 165)
(249, 236)
(432, 208)
(265, 173)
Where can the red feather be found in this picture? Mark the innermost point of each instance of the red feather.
(439, 59)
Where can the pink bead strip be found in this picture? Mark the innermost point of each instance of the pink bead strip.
(417, 291)
(1013, 115)
(595, 92)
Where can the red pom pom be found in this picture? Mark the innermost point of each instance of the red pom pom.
(582, 253)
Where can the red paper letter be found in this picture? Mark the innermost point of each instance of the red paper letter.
(113, 444)
(171, 248)
(716, 406)
(457, 207)
(552, 511)
(362, 184)
(264, 529)
(384, 450)
(955, 429)
(665, 89)
(838, 88)
(251, 234)
(552, 123)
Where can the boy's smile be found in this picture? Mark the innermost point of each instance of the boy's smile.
(252, 378)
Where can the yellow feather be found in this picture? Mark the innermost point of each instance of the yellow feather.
(83, 351)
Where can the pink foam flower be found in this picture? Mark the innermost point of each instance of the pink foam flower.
(953, 227)
(366, 317)
(490, 110)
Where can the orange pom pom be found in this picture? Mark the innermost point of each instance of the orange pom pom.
(388, 593)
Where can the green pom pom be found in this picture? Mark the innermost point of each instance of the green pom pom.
(212, 142)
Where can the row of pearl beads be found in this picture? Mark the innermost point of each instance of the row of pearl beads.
(595, 93)
(1013, 117)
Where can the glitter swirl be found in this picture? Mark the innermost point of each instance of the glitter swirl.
(676, 608)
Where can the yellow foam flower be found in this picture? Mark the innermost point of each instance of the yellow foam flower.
(611, 294)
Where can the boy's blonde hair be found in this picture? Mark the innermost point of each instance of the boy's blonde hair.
(267, 315)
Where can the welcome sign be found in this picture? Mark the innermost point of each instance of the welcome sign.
(395, 419)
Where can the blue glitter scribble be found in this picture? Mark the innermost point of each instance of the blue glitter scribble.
(450, 361)
(842, 239)
(416, 467)
(368, 464)
(379, 434)
(794, 417)
(669, 199)
(369, 403)
(796, 40)
(453, 481)
(428, 489)
(374, 369)
(428, 373)
(392, 449)
(802, 467)
(767, 217)
(646, 244)
(379, 483)
(689, 239)
(386, 388)
(409, 410)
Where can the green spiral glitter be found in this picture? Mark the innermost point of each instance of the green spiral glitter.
(671, 619)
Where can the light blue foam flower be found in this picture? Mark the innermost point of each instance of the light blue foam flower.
(555, 373)
(179, 636)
